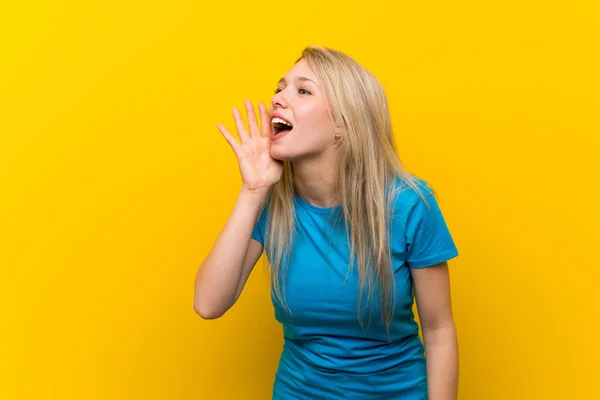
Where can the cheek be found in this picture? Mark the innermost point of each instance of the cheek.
(316, 119)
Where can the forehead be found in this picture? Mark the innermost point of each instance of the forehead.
(300, 70)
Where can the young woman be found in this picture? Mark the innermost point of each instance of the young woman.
(351, 239)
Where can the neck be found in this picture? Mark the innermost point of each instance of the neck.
(316, 182)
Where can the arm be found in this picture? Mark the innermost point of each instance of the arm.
(223, 274)
(432, 292)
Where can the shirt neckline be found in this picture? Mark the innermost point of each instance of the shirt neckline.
(312, 207)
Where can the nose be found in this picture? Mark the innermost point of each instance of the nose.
(279, 100)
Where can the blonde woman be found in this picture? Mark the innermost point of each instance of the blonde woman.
(351, 238)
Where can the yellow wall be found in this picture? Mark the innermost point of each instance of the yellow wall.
(115, 182)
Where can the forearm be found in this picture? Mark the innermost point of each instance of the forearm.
(218, 277)
(441, 349)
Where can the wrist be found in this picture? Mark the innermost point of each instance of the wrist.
(255, 196)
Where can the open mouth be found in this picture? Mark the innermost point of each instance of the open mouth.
(280, 126)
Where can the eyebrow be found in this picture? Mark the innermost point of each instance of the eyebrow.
(299, 79)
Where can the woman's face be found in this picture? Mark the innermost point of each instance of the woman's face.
(300, 101)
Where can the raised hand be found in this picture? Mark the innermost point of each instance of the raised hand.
(259, 170)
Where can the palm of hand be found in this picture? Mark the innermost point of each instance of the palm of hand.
(258, 169)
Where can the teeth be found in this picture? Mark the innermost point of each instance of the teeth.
(281, 121)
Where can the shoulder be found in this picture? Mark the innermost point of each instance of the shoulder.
(408, 194)
(420, 227)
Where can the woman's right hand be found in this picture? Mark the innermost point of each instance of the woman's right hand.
(259, 170)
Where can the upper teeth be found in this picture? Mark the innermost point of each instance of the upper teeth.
(281, 121)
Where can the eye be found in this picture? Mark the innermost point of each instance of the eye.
(277, 91)
(300, 90)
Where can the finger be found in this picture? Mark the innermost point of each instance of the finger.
(229, 137)
(265, 120)
(252, 123)
(239, 124)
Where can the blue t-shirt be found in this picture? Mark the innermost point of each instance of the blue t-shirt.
(326, 352)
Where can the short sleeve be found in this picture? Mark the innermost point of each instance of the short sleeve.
(258, 233)
(428, 239)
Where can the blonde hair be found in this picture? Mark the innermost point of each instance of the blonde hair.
(367, 174)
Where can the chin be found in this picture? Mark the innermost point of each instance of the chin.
(290, 151)
(281, 154)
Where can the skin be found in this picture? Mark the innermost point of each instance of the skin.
(432, 293)
(310, 144)
(224, 272)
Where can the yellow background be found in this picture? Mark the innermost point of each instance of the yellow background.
(115, 183)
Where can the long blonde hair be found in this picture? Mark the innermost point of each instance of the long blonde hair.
(368, 170)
